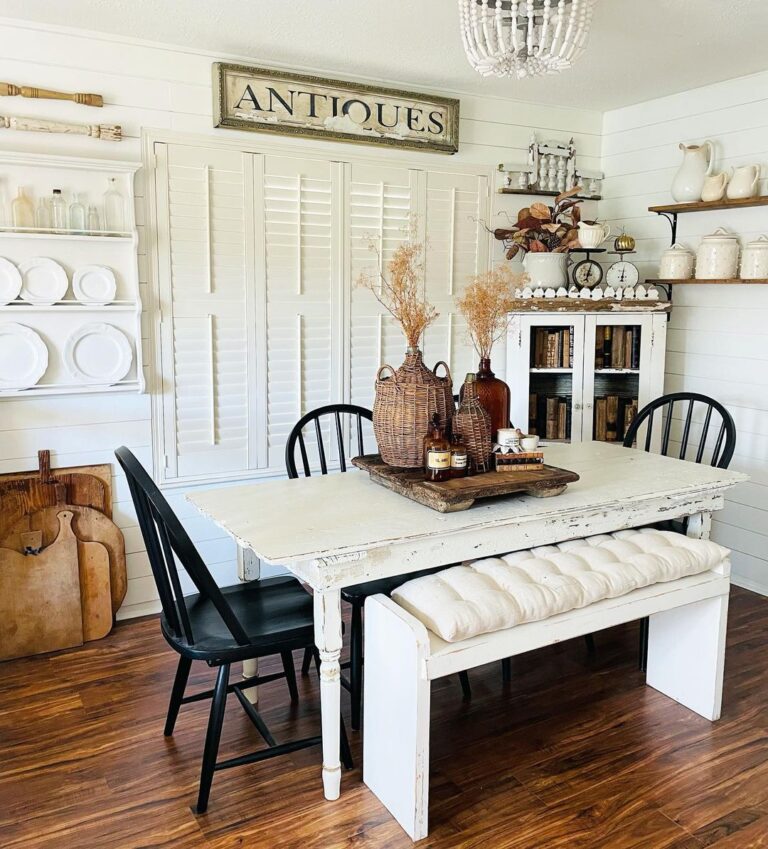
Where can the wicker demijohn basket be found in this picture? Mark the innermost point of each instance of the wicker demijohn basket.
(403, 409)
(473, 422)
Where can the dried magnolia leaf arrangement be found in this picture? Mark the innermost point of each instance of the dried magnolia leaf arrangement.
(400, 289)
(486, 304)
(544, 229)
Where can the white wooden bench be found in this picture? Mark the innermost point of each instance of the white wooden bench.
(685, 662)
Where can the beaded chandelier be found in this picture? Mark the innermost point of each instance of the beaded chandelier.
(524, 38)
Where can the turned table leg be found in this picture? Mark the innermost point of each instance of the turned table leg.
(327, 611)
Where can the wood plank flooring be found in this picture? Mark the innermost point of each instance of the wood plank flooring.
(575, 753)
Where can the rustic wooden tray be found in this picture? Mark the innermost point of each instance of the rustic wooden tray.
(461, 493)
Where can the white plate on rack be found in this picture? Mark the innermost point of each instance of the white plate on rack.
(10, 282)
(94, 284)
(23, 356)
(98, 354)
(44, 281)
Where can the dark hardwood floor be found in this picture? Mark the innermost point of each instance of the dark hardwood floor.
(575, 753)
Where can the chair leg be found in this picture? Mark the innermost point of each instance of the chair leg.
(356, 665)
(465, 688)
(506, 670)
(589, 639)
(212, 737)
(345, 751)
(642, 661)
(290, 674)
(307, 661)
(177, 694)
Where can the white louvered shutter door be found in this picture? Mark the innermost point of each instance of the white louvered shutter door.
(302, 272)
(381, 200)
(457, 247)
(204, 270)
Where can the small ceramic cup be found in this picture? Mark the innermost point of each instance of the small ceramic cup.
(529, 443)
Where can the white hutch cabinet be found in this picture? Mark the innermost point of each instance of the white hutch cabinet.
(581, 374)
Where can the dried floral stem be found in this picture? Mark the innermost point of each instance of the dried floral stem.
(486, 304)
(400, 290)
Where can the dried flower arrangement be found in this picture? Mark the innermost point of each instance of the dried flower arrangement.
(486, 304)
(544, 229)
(400, 291)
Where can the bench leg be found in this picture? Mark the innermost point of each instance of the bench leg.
(686, 654)
(396, 716)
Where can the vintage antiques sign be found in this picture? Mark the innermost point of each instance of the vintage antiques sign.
(247, 98)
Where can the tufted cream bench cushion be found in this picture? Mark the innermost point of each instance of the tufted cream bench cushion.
(527, 586)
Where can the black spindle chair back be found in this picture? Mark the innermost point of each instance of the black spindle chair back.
(662, 409)
(333, 413)
(169, 545)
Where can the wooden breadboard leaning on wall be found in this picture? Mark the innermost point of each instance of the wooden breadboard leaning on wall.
(62, 559)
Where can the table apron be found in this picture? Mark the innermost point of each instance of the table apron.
(410, 555)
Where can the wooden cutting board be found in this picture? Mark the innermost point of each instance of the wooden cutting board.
(461, 493)
(89, 526)
(40, 596)
(26, 492)
(95, 592)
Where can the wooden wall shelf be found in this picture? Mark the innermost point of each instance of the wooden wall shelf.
(702, 206)
(694, 282)
(577, 305)
(534, 193)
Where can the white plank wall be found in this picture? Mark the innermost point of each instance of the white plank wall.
(717, 339)
(150, 86)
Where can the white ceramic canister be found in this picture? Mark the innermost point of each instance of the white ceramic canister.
(718, 256)
(676, 263)
(754, 260)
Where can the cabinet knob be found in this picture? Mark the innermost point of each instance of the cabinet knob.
(577, 406)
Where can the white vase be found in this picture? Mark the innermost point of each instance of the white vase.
(698, 160)
(546, 269)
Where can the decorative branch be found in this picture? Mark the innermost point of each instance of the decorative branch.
(11, 90)
(107, 132)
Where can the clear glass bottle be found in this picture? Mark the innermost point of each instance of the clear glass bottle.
(22, 211)
(43, 215)
(59, 216)
(77, 216)
(94, 219)
(114, 208)
(437, 453)
(459, 457)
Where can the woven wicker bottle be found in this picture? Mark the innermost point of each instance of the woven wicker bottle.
(474, 424)
(405, 403)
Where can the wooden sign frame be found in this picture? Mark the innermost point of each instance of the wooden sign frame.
(273, 101)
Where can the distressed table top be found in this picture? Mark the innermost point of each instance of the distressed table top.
(325, 517)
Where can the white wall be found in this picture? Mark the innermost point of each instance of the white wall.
(154, 87)
(717, 334)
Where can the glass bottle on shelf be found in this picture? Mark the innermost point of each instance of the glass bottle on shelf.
(43, 215)
(114, 208)
(94, 219)
(77, 216)
(459, 457)
(59, 211)
(437, 453)
(22, 212)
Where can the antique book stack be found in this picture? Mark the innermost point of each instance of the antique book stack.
(549, 416)
(613, 415)
(617, 348)
(552, 348)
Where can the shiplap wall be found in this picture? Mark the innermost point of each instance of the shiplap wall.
(717, 334)
(154, 87)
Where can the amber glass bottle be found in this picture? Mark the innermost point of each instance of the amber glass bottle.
(437, 453)
(459, 457)
(493, 394)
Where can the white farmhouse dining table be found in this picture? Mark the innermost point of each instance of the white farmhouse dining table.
(337, 530)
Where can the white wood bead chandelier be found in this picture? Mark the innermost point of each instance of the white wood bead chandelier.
(524, 38)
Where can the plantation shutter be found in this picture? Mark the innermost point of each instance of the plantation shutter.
(302, 273)
(381, 202)
(457, 248)
(205, 269)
